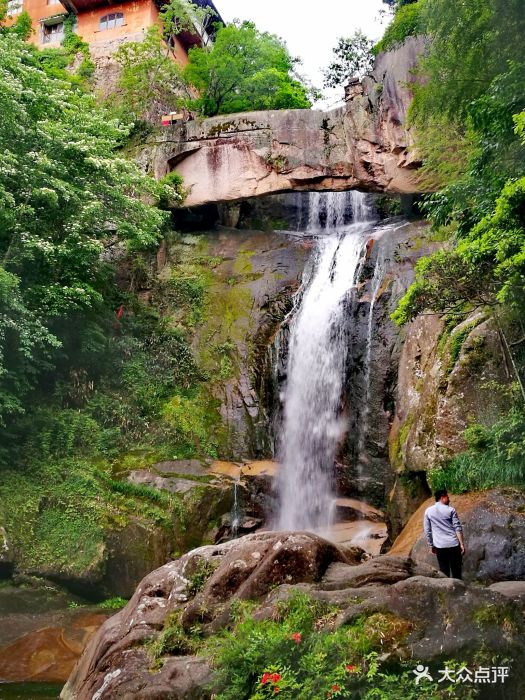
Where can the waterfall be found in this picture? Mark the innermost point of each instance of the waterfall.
(236, 513)
(377, 281)
(313, 417)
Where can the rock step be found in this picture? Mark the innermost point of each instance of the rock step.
(352, 509)
(365, 534)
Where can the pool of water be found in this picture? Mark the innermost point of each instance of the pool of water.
(29, 691)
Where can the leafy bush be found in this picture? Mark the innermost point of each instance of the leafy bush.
(244, 70)
(200, 575)
(298, 654)
(496, 457)
(407, 21)
(173, 639)
(116, 603)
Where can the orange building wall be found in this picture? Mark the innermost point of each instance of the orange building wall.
(38, 9)
(138, 16)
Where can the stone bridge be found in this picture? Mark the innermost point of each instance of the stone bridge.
(363, 145)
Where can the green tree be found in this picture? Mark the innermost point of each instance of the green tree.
(244, 70)
(407, 21)
(64, 197)
(352, 57)
(150, 80)
(180, 16)
(21, 27)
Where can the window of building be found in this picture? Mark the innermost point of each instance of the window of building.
(115, 19)
(14, 7)
(52, 32)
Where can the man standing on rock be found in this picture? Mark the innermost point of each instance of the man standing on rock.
(444, 534)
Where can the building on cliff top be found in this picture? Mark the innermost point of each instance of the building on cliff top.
(102, 22)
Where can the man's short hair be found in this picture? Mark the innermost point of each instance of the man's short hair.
(440, 493)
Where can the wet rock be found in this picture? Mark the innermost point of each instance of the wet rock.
(494, 531)
(41, 638)
(244, 526)
(364, 465)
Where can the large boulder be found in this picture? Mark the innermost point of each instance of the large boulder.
(494, 531)
(365, 145)
(423, 615)
(245, 568)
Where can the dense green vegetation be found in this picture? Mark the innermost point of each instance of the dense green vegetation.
(407, 21)
(468, 112)
(242, 70)
(298, 653)
(91, 381)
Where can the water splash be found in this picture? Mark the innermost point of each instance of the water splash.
(313, 419)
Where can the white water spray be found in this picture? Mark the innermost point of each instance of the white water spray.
(314, 422)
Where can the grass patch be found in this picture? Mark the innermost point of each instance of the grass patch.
(198, 578)
(116, 603)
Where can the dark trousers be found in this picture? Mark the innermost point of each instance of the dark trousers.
(449, 560)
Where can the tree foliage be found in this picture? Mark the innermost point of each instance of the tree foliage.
(244, 70)
(150, 81)
(352, 57)
(407, 21)
(64, 196)
(467, 111)
(180, 16)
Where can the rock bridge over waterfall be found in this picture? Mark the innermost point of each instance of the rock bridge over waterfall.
(363, 145)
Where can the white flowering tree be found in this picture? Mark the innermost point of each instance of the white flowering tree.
(64, 193)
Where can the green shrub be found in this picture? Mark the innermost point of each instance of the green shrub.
(406, 22)
(116, 603)
(496, 457)
(298, 654)
(173, 639)
(198, 578)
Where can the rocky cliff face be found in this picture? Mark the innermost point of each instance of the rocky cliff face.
(451, 374)
(364, 145)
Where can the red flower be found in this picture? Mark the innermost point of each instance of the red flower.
(276, 690)
(336, 688)
(266, 677)
(275, 677)
(296, 636)
(350, 668)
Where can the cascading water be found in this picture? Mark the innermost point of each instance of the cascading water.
(313, 420)
(377, 280)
